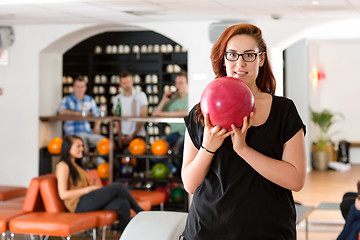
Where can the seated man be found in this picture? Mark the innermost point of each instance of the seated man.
(78, 104)
(175, 105)
(133, 103)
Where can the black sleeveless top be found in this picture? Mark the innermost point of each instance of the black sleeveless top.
(235, 202)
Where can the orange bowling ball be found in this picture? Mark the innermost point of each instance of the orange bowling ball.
(103, 170)
(160, 147)
(103, 146)
(54, 146)
(137, 146)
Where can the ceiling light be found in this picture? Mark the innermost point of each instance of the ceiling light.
(315, 3)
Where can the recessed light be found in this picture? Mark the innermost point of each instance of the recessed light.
(315, 2)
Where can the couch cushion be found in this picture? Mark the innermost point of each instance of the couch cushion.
(8, 192)
(50, 195)
(154, 197)
(52, 224)
(5, 215)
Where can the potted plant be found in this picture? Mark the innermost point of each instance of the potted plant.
(323, 120)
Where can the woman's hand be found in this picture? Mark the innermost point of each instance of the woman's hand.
(92, 188)
(213, 136)
(239, 135)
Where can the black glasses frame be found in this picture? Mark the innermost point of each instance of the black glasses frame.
(242, 55)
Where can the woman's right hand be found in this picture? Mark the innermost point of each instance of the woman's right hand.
(214, 136)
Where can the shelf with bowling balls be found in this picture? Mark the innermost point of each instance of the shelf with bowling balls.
(157, 176)
(138, 149)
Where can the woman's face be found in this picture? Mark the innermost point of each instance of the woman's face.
(77, 149)
(246, 71)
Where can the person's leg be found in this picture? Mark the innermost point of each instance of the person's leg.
(93, 140)
(172, 138)
(98, 199)
(122, 207)
(348, 200)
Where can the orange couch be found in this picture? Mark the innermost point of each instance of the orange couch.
(11, 209)
(34, 220)
(42, 212)
(53, 204)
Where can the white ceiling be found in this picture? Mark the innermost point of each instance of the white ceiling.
(14, 12)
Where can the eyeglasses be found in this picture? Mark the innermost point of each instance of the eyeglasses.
(247, 57)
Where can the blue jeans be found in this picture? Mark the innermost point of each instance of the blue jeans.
(352, 225)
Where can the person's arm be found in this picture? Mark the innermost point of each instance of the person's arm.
(64, 108)
(95, 111)
(69, 112)
(127, 139)
(288, 173)
(120, 136)
(62, 176)
(179, 113)
(196, 162)
(139, 125)
(159, 111)
(160, 107)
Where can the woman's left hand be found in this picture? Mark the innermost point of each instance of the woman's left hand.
(239, 135)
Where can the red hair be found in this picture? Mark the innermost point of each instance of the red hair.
(265, 80)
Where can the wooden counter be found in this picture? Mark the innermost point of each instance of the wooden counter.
(112, 118)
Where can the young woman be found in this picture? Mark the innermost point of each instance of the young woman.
(242, 179)
(77, 193)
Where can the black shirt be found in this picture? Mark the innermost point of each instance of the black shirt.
(234, 201)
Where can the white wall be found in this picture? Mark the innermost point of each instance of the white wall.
(297, 84)
(36, 48)
(19, 103)
(339, 91)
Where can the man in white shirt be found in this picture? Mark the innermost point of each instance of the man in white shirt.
(133, 103)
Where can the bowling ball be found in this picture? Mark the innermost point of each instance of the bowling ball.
(177, 195)
(126, 170)
(54, 146)
(103, 146)
(131, 161)
(165, 191)
(160, 170)
(227, 100)
(103, 170)
(160, 147)
(137, 146)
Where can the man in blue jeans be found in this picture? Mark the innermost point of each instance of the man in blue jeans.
(175, 104)
(80, 104)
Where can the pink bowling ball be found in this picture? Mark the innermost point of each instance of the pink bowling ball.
(227, 100)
